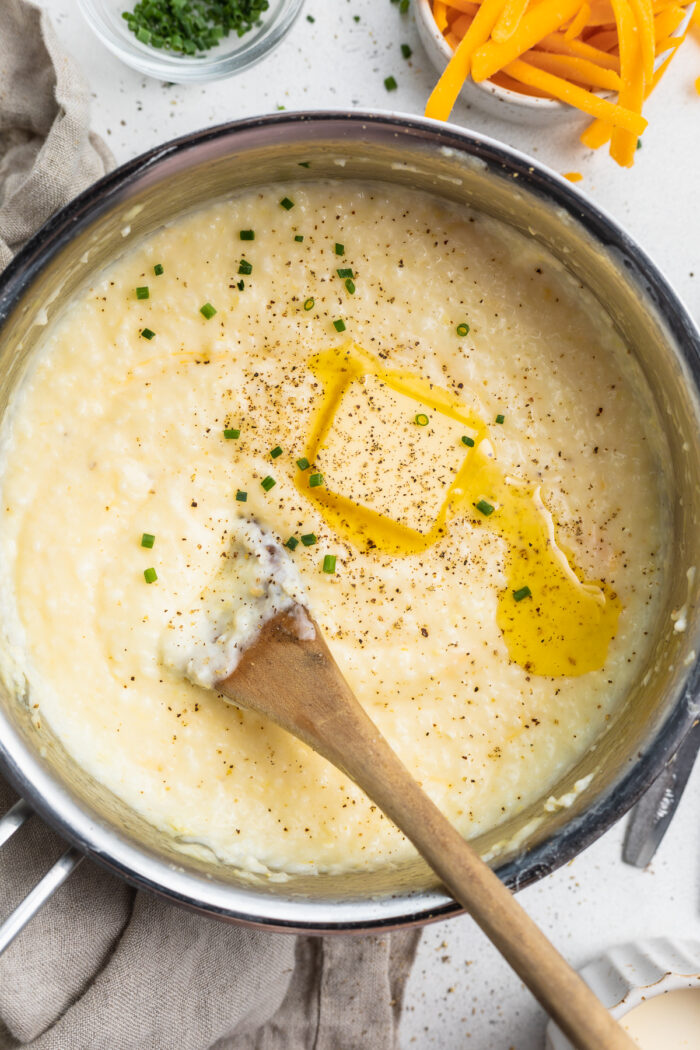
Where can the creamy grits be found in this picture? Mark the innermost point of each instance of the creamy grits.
(443, 427)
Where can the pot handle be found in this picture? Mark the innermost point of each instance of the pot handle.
(38, 896)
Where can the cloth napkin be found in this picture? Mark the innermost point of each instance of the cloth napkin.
(103, 967)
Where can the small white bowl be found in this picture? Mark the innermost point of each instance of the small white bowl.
(630, 974)
(492, 99)
(498, 101)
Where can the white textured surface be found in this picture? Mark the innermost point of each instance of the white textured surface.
(461, 994)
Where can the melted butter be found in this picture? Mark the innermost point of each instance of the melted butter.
(564, 627)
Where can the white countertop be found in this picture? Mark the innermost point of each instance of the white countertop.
(461, 994)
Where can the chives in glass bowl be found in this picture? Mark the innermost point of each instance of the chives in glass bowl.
(232, 54)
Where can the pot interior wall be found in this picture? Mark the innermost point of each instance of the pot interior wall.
(220, 165)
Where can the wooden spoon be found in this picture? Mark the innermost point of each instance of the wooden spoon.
(298, 685)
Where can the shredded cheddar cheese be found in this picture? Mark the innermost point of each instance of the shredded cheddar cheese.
(582, 52)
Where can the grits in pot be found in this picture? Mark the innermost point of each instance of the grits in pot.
(449, 436)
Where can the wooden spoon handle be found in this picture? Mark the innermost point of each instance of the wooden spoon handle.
(300, 687)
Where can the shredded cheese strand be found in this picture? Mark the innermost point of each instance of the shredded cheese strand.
(617, 115)
(444, 94)
(537, 23)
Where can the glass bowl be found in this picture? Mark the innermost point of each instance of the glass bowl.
(231, 55)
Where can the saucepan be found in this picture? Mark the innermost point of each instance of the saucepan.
(460, 167)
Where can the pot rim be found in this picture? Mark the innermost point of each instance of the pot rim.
(135, 864)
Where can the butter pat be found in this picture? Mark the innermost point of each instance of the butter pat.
(378, 456)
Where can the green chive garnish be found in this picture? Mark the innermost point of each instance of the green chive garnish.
(231, 435)
(339, 325)
(304, 164)
(309, 304)
(245, 267)
(523, 592)
(158, 269)
(345, 272)
(241, 285)
(150, 575)
(406, 51)
(469, 442)
(308, 539)
(350, 285)
(303, 463)
(147, 540)
(147, 333)
(207, 311)
(390, 83)
(484, 507)
(287, 204)
(339, 249)
(292, 543)
(463, 329)
(421, 419)
(299, 237)
(329, 563)
(143, 292)
(247, 235)
(241, 496)
(315, 480)
(268, 483)
(500, 418)
(275, 452)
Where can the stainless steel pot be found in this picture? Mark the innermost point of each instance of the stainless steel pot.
(452, 164)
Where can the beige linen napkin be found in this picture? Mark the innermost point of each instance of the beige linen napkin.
(103, 967)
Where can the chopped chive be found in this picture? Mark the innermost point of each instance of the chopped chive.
(469, 442)
(309, 303)
(147, 333)
(143, 292)
(241, 285)
(308, 539)
(299, 237)
(390, 83)
(207, 311)
(500, 418)
(339, 249)
(484, 507)
(406, 51)
(150, 575)
(292, 543)
(241, 496)
(268, 483)
(329, 563)
(231, 435)
(403, 7)
(275, 452)
(345, 272)
(315, 480)
(523, 592)
(639, 143)
(350, 285)
(287, 204)
(245, 267)
(310, 18)
(303, 463)
(421, 419)
(463, 329)
(247, 235)
(147, 540)
(304, 164)
(158, 269)
(339, 325)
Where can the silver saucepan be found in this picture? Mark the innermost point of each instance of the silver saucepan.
(460, 167)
